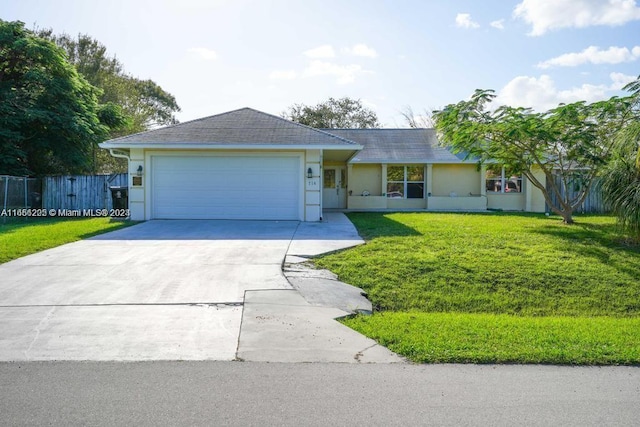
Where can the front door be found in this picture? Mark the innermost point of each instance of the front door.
(334, 187)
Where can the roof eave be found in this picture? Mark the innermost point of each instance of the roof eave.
(412, 161)
(214, 146)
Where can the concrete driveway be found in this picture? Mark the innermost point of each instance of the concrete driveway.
(160, 290)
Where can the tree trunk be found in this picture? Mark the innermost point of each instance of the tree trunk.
(567, 217)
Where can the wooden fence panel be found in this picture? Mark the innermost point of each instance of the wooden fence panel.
(593, 203)
(80, 191)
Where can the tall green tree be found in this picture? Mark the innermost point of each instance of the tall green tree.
(572, 141)
(334, 113)
(144, 103)
(621, 176)
(49, 114)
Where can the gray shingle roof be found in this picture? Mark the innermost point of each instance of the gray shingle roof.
(245, 126)
(398, 146)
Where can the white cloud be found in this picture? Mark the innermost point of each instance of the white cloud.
(541, 93)
(545, 15)
(499, 24)
(463, 20)
(324, 51)
(620, 80)
(319, 66)
(204, 53)
(593, 55)
(283, 75)
(344, 73)
(361, 49)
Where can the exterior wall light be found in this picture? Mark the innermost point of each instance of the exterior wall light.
(309, 173)
(139, 171)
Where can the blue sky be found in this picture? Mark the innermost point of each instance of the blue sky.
(219, 55)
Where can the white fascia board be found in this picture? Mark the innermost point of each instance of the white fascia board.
(256, 147)
(411, 161)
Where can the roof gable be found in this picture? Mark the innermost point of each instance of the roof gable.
(245, 126)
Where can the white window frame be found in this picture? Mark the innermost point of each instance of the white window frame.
(503, 182)
(405, 181)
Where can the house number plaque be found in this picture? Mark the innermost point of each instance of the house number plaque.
(313, 183)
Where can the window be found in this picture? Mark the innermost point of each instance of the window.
(405, 182)
(503, 180)
(329, 178)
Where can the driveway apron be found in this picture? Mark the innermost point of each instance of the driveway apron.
(161, 290)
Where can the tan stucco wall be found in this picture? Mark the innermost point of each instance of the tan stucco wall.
(530, 200)
(365, 178)
(506, 201)
(406, 203)
(457, 203)
(369, 202)
(536, 202)
(445, 179)
(459, 179)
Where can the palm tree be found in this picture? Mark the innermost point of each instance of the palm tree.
(621, 178)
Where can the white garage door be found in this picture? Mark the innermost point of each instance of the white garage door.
(233, 187)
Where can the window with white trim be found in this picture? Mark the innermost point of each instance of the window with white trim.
(501, 180)
(405, 182)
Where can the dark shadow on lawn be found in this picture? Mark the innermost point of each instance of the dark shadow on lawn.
(378, 224)
(608, 235)
(372, 224)
(596, 241)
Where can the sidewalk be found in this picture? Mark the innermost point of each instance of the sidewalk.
(298, 325)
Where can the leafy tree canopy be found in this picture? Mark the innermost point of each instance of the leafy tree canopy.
(143, 102)
(334, 113)
(572, 141)
(49, 114)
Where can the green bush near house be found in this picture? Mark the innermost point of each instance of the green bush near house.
(496, 287)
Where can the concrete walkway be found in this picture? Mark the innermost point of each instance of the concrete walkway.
(299, 325)
(281, 326)
(175, 290)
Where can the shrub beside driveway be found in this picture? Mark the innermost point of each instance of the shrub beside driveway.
(496, 287)
(24, 237)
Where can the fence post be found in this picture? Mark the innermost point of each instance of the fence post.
(6, 191)
(26, 192)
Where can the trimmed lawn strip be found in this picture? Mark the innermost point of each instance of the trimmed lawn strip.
(519, 264)
(23, 238)
(489, 338)
(496, 287)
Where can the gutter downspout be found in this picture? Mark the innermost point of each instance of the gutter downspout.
(119, 153)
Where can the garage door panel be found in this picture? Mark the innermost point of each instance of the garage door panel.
(226, 187)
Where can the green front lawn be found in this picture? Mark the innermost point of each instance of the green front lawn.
(22, 238)
(548, 284)
(503, 338)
